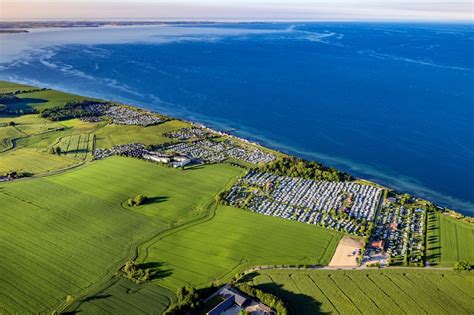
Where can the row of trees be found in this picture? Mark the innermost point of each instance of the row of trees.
(296, 167)
(266, 298)
(188, 300)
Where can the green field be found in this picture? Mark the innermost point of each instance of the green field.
(236, 239)
(449, 240)
(64, 234)
(125, 297)
(45, 99)
(8, 87)
(25, 146)
(79, 146)
(68, 233)
(111, 135)
(370, 291)
(7, 133)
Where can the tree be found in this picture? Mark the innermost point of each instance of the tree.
(136, 201)
(135, 272)
(58, 150)
(139, 199)
(462, 265)
(405, 198)
(70, 299)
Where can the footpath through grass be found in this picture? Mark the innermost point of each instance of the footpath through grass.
(63, 234)
(393, 291)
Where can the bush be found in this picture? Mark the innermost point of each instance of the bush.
(134, 272)
(136, 201)
(188, 300)
(266, 298)
(462, 265)
(374, 265)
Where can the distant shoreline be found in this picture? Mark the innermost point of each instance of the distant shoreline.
(12, 31)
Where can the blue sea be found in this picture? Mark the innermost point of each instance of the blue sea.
(393, 103)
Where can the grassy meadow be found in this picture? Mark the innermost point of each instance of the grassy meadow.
(235, 239)
(66, 233)
(9, 87)
(448, 240)
(111, 135)
(393, 291)
(45, 99)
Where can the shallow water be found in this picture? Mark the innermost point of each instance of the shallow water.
(389, 102)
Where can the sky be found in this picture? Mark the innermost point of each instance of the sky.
(457, 10)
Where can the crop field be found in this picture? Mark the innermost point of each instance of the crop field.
(111, 135)
(457, 239)
(125, 297)
(233, 240)
(33, 161)
(79, 146)
(64, 234)
(370, 291)
(8, 87)
(30, 154)
(449, 240)
(45, 99)
(6, 134)
(30, 124)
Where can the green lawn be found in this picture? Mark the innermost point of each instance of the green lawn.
(370, 291)
(234, 240)
(449, 240)
(63, 234)
(8, 87)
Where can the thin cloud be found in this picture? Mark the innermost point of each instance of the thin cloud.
(243, 10)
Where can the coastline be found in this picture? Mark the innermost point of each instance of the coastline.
(357, 171)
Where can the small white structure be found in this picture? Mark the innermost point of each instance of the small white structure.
(180, 161)
(157, 158)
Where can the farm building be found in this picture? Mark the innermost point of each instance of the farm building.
(235, 301)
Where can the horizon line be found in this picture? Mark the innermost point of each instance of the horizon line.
(234, 20)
